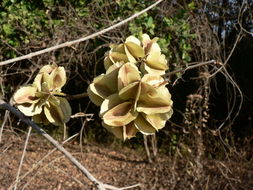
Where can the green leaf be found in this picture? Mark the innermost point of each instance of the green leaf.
(8, 29)
(150, 22)
(65, 109)
(53, 115)
(133, 40)
(47, 82)
(133, 49)
(54, 100)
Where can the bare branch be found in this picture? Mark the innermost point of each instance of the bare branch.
(70, 43)
(238, 39)
(243, 8)
(191, 66)
(99, 184)
(76, 96)
(40, 162)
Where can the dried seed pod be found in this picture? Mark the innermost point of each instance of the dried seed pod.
(41, 99)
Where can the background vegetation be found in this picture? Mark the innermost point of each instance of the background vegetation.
(213, 107)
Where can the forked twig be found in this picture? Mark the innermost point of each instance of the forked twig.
(190, 66)
(41, 161)
(44, 166)
(70, 43)
(22, 157)
(97, 183)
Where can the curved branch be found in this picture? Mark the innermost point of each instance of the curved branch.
(70, 43)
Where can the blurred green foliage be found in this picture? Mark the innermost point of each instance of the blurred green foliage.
(172, 31)
(25, 23)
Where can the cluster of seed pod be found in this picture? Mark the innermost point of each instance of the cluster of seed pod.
(132, 93)
(43, 99)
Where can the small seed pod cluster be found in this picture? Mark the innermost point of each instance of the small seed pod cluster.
(43, 100)
(132, 93)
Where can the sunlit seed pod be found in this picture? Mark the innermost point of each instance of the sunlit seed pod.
(150, 45)
(128, 73)
(29, 109)
(132, 93)
(26, 94)
(143, 125)
(121, 114)
(41, 100)
(133, 49)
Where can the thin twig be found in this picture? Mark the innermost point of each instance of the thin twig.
(70, 43)
(122, 188)
(82, 130)
(99, 184)
(4, 105)
(229, 78)
(22, 157)
(189, 67)
(66, 173)
(41, 161)
(240, 17)
(64, 131)
(47, 165)
(238, 39)
(145, 141)
(192, 66)
(6, 115)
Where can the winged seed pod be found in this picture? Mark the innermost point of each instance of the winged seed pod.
(42, 100)
(131, 103)
(155, 62)
(147, 53)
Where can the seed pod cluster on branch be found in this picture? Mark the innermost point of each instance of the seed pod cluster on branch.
(132, 93)
(43, 100)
